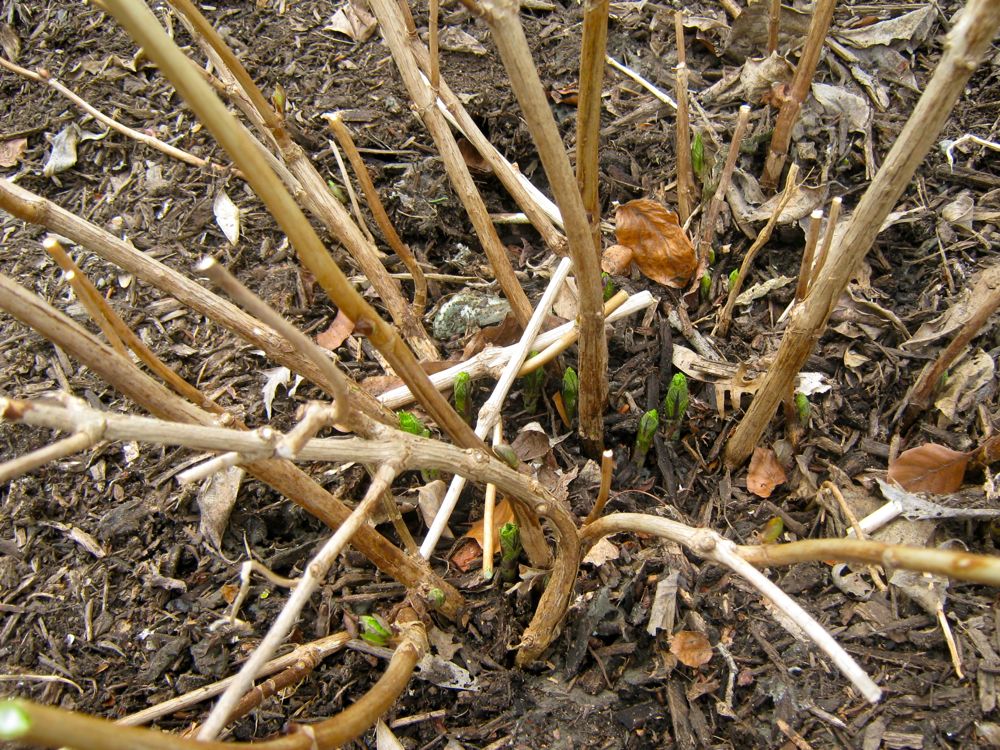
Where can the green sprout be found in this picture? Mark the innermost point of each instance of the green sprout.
(648, 425)
(570, 392)
(435, 597)
(410, 422)
(803, 407)
(510, 550)
(676, 403)
(507, 455)
(772, 530)
(374, 630)
(705, 287)
(337, 191)
(14, 721)
(463, 395)
(532, 388)
(278, 99)
(609, 286)
(733, 275)
(711, 256)
(698, 155)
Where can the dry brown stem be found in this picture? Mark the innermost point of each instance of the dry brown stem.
(808, 253)
(804, 71)
(715, 205)
(425, 99)
(966, 44)
(508, 34)
(685, 172)
(588, 123)
(280, 474)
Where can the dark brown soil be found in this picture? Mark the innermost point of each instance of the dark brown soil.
(114, 632)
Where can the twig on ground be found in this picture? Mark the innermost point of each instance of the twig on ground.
(828, 234)
(808, 253)
(715, 205)
(641, 81)
(685, 173)
(967, 42)
(726, 315)
(343, 134)
(604, 491)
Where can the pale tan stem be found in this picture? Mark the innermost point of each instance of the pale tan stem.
(808, 252)
(804, 71)
(828, 235)
(489, 505)
(144, 28)
(715, 205)
(340, 130)
(282, 475)
(604, 491)
(508, 35)
(593, 49)
(79, 441)
(773, 26)
(726, 316)
(685, 172)
(311, 579)
(966, 44)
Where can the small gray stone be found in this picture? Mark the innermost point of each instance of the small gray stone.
(466, 310)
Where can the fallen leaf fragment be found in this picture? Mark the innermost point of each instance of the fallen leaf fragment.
(765, 472)
(659, 245)
(227, 214)
(337, 333)
(12, 151)
(929, 468)
(691, 648)
(353, 21)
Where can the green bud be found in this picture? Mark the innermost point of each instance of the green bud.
(507, 455)
(711, 256)
(648, 425)
(409, 422)
(803, 407)
(278, 99)
(698, 155)
(532, 387)
(676, 403)
(705, 287)
(510, 550)
(463, 395)
(609, 287)
(772, 530)
(338, 193)
(435, 597)
(570, 392)
(733, 275)
(374, 630)
(14, 721)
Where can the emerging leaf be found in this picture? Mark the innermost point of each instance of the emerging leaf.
(765, 472)
(659, 245)
(648, 425)
(929, 468)
(570, 392)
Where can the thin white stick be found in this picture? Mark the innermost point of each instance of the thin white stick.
(489, 505)
(641, 81)
(491, 360)
(489, 414)
(308, 583)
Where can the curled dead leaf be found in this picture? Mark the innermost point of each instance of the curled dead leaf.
(765, 472)
(659, 245)
(929, 468)
(691, 648)
(616, 259)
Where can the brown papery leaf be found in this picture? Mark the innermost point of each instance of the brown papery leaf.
(659, 245)
(691, 648)
(929, 468)
(337, 333)
(765, 472)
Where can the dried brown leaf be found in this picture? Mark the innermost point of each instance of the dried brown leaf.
(659, 245)
(765, 472)
(472, 547)
(616, 259)
(337, 333)
(929, 468)
(691, 648)
(11, 151)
